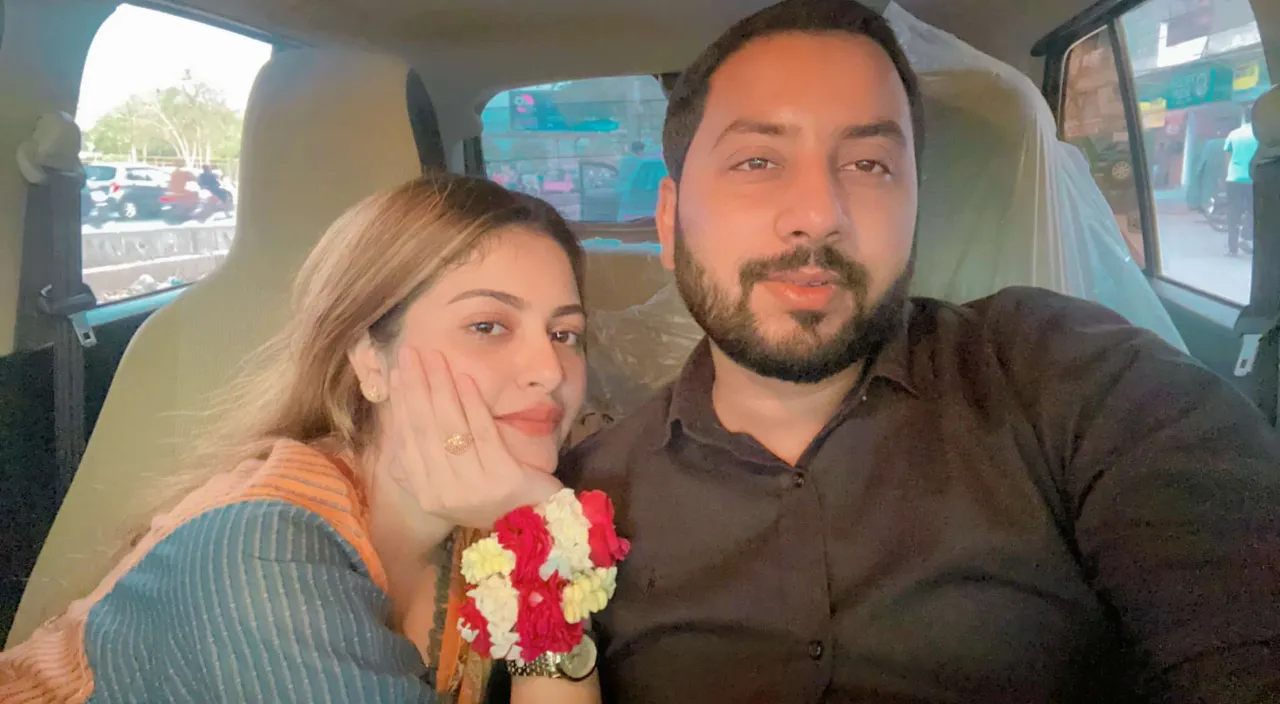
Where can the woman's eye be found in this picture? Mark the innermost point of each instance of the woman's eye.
(567, 337)
(487, 327)
(755, 163)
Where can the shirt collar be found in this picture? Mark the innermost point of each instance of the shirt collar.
(691, 410)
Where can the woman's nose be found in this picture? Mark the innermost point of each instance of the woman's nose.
(540, 364)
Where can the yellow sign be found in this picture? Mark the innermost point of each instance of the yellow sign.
(1153, 113)
(1246, 77)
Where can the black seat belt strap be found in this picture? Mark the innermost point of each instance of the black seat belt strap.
(65, 298)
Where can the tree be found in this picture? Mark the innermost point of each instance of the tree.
(190, 120)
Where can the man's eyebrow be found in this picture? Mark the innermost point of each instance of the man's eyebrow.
(747, 126)
(512, 300)
(889, 129)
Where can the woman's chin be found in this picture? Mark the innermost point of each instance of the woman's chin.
(542, 454)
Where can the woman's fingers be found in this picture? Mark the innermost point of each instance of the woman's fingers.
(413, 466)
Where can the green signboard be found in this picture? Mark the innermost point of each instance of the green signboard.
(1210, 84)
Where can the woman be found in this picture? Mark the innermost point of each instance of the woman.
(423, 388)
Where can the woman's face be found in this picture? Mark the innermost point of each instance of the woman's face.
(512, 319)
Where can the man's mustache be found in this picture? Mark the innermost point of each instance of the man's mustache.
(849, 274)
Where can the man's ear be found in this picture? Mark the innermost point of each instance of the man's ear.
(665, 218)
(367, 362)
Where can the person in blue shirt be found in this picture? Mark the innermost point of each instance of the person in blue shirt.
(1242, 145)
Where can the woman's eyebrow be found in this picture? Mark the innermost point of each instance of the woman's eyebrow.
(510, 299)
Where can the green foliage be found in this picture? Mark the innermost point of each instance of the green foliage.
(191, 121)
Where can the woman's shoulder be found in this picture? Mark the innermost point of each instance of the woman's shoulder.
(298, 496)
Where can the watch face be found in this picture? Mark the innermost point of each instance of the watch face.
(581, 661)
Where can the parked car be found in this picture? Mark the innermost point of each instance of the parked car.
(133, 190)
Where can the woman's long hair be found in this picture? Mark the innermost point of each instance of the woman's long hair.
(362, 276)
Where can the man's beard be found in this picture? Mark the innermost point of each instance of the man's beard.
(803, 357)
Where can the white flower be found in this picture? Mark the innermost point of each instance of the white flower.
(504, 646)
(499, 603)
(588, 593)
(486, 558)
(569, 528)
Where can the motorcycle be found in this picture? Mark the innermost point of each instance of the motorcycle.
(190, 202)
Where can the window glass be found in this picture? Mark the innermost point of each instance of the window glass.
(161, 97)
(592, 148)
(1093, 120)
(1198, 67)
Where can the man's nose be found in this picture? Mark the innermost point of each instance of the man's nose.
(812, 205)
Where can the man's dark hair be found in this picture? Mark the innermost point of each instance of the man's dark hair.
(688, 97)
(637, 147)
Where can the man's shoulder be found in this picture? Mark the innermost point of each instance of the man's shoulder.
(605, 454)
(1016, 310)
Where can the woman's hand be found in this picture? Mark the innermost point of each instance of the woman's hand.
(479, 484)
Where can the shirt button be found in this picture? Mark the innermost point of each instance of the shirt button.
(798, 481)
(815, 649)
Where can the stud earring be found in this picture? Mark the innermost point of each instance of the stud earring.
(373, 393)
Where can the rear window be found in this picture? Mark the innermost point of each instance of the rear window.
(592, 147)
(99, 173)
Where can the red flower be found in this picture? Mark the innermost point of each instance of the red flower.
(606, 547)
(525, 533)
(541, 623)
(469, 615)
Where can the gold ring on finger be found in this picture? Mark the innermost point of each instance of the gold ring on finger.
(458, 443)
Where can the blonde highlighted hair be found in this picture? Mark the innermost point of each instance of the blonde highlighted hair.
(370, 265)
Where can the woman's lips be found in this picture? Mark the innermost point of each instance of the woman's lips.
(535, 422)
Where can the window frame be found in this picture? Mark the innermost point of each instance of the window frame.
(475, 163)
(109, 311)
(1054, 48)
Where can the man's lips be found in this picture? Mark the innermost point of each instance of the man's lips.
(537, 421)
(807, 288)
(805, 276)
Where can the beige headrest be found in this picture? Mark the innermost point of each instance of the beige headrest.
(323, 130)
(982, 198)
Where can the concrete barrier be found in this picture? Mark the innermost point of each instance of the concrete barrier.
(119, 263)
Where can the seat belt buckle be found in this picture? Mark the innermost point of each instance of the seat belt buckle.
(1249, 345)
(75, 309)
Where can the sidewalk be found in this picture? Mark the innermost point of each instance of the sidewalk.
(1195, 254)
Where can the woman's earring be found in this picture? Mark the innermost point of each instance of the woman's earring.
(373, 393)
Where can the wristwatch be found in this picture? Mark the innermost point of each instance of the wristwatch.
(575, 665)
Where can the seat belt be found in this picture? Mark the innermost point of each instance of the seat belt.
(1259, 323)
(54, 294)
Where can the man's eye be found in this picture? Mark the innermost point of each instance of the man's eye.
(755, 163)
(487, 327)
(869, 166)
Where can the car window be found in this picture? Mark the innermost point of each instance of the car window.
(581, 145)
(1195, 67)
(98, 172)
(159, 92)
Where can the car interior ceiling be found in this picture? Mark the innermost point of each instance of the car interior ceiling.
(460, 55)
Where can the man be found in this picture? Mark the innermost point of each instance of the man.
(850, 495)
(629, 164)
(1242, 145)
(209, 181)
